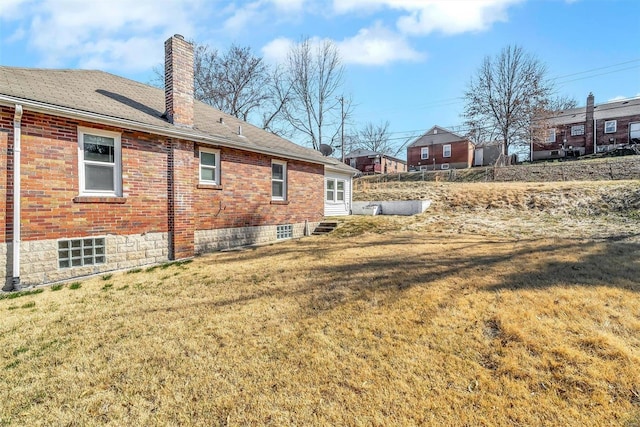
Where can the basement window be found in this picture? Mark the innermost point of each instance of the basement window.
(284, 231)
(81, 252)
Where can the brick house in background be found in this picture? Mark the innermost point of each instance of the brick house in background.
(372, 162)
(589, 129)
(440, 149)
(113, 174)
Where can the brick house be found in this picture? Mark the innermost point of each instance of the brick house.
(589, 129)
(372, 162)
(113, 174)
(439, 149)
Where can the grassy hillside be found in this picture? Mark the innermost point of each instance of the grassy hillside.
(511, 306)
(571, 209)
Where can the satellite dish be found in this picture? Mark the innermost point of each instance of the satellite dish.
(326, 150)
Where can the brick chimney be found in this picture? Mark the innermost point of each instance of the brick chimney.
(589, 126)
(178, 81)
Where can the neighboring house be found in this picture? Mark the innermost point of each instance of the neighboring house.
(440, 149)
(372, 162)
(107, 173)
(589, 129)
(487, 153)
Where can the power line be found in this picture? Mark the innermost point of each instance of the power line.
(597, 69)
(459, 99)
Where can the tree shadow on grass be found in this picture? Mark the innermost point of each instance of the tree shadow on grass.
(331, 276)
(614, 262)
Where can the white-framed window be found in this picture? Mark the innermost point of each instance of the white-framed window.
(610, 126)
(209, 166)
(634, 133)
(551, 135)
(99, 162)
(446, 150)
(334, 190)
(577, 130)
(330, 190)
(424, 153)
(444, 166)
(340, 185)
(352, 162)
(278, 180)
(80, 252)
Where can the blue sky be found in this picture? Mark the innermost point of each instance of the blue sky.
(407, 61)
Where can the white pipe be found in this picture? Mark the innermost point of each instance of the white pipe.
(17, 124)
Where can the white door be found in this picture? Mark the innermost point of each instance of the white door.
(479, 157)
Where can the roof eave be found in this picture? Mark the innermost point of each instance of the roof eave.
(41, 107)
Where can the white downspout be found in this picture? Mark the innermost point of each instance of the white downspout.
(17, 125)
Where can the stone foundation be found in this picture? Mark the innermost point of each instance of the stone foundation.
(225, 238)
(39, 259)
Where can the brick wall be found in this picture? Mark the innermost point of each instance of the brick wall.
(244, 197)
(179, 81)
(50, 206)
(52, 209)
(461, 155)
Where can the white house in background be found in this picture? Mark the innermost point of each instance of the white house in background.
(338, 180)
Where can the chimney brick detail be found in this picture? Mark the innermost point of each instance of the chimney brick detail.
(179, 81)
(589, 128)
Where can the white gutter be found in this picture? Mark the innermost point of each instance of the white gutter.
(17, 118)
(41, 107)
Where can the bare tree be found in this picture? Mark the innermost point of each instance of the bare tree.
(300, 99)
(236, 81)
(505, 95)
(544, 115)
(374, 137)
(310, 93)
(241, 82)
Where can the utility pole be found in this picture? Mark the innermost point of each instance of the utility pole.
(341, 99)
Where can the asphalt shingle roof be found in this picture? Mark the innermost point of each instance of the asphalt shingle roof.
(437, 135)
(111, 96)
(608, 110)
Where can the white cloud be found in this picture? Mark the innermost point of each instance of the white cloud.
(371, 46)
(276, 50)
(623, 98)
(422, 17)
(108, 34)
(377, 46)
(243, 18)
(289, 6)
(10, 9)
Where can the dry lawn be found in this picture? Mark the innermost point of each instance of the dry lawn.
(509, 314)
